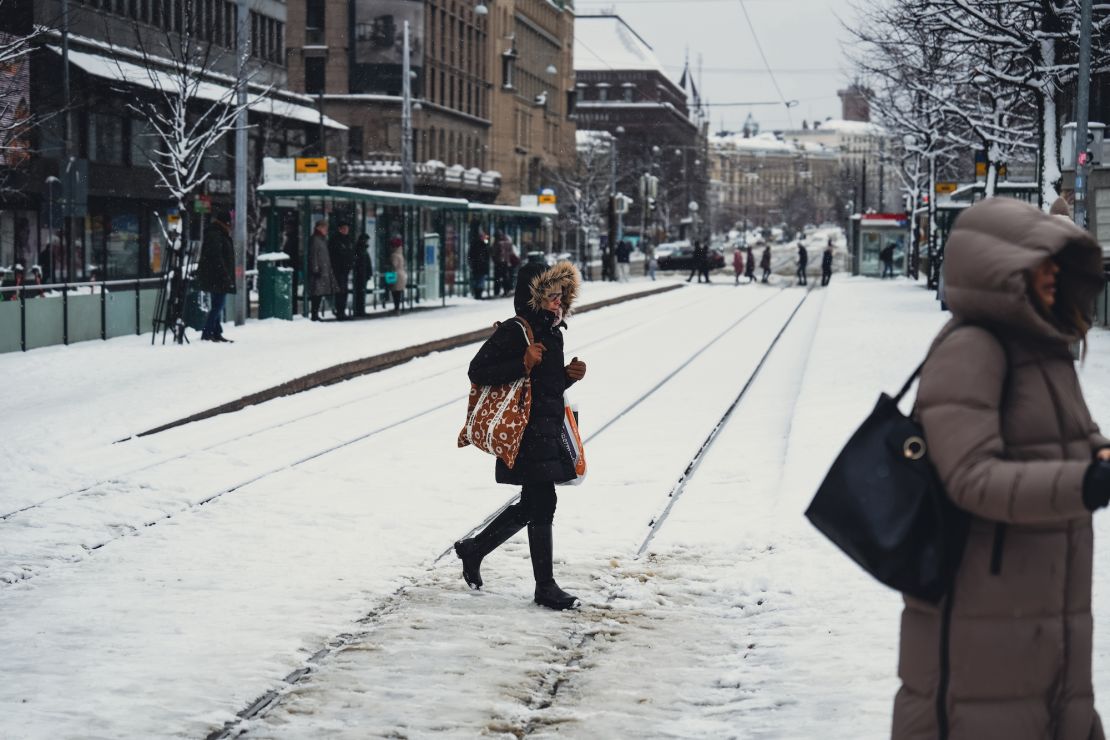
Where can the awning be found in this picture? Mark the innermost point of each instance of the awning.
(514, 210)
(383, 197)
(118, 70)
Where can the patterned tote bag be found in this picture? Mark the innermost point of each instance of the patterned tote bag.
(496, 415)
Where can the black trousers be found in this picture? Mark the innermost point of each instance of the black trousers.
(825, 278)
(537, 501)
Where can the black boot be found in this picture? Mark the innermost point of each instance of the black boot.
(548, 592)
(472, 550)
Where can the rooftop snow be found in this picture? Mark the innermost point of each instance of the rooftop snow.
(606, 42)
(851, 127)
(765, 142)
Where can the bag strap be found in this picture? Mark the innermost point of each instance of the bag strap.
(917, 372)
(527, 329)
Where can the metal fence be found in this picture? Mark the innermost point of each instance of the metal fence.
(33, 316)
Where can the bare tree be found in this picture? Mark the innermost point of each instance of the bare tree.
(584, 191)
(16, 119)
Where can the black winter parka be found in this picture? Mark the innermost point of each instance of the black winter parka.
(501, 360)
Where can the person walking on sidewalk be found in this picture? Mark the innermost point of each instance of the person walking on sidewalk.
(887, 258)
(544, 297)
(803, 263)
(738, 264)
(1007, 654)
(749, 267)
(624, 260)
(765, 263)
(827, 264)
(397, 262)
(216, 272)
(479, 258)
(321, 276)
(342, 253)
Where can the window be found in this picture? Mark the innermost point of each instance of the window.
(508, 67)
(628, 93)
(354, 143)
(314, 75)
(105, 138)
(144, 143)
(314, 14)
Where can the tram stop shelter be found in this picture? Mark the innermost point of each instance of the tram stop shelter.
(428, 227)
(529, 228)
(871, 233)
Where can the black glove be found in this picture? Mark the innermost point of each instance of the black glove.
(1096, 485)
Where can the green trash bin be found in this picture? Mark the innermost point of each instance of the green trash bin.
(275, 286)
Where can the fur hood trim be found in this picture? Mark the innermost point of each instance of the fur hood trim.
(562, 276)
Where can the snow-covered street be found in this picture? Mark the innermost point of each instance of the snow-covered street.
(297, 551)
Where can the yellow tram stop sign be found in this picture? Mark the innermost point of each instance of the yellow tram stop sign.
(945, 188)
(310, 165)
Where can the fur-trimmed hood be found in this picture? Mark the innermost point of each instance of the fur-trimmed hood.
(535, 281)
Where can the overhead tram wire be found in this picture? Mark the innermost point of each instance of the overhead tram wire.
(763, 56)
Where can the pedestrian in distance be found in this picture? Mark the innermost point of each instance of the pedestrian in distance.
(364, 272)
(803, 263)
(321, 276)
(749, 266)
(695, 263)
(887, 258)
(500, 266)
(544, 298)
(1007, 653)
(827, 264)
(479, 259)
(738, 264)
(703, 265)
(506, 260)
(342, 253)
(216, 272)
(624, 261)
(652, 265)
(401, 275)
(765, 263)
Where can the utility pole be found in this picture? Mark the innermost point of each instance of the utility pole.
(242, 45)
(406, 115)
(1082, 113)
(67, 187)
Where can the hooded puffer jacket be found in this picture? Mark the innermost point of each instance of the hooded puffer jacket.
(501, 360)
(1008, 654)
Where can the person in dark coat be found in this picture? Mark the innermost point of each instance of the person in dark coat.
(703, 265)
(887, 258)
(624, 260)
(803, 263)
(479, 258)
(342, 253)
(321, 276)
(765, 263)
(544, 296)
(216, 272)
(364, 270)
(826, 264)
(749, 268)
(696, 264)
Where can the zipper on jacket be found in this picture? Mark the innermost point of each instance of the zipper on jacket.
(996, 548)
(942, 686)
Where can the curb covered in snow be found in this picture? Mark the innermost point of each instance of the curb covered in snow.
(367, 365)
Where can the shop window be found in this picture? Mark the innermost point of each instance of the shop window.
(105, 138)
(144, 143)
(123, 246)
(355, 143)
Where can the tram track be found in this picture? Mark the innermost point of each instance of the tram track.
(549, 684)
(116, 530)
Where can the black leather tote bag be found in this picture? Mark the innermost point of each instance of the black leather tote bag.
(883, 504)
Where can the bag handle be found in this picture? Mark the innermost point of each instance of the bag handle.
(527, 329)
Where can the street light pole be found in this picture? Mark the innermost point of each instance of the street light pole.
(242, 43)
(406, 115)
(1083, 99)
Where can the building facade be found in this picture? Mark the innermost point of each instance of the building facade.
(347, 54)
(762, 180)
(120, 54)
(533, 126)
(623, 90)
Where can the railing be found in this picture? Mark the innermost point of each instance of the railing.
(61, 313)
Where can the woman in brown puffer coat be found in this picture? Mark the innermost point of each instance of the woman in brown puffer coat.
(1007, 654)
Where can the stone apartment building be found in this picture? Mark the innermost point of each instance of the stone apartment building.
(624, 91)
(533, 132)
(489, 90)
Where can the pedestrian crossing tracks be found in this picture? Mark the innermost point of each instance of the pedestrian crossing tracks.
(355, 678)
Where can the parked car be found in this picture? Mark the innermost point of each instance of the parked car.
(682, 258)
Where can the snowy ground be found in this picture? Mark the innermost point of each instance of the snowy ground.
(134, 610)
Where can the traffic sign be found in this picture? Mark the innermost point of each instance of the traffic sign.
(945, 188)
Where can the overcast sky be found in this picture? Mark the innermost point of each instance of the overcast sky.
(801, 38)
